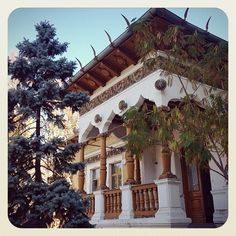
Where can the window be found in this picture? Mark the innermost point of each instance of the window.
(95, 179)
(116, 175)
(193, 183)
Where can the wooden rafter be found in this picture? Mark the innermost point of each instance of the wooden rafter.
(111, 67)
(76, 87)
(98, 77)
(95, 79)
(84, 86)
(101, 77)
(127, 54)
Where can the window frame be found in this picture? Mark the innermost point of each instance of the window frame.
(93, 171)
(116, 175)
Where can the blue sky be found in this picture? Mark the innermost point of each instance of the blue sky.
(84, 26)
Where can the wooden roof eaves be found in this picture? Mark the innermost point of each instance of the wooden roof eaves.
(111, 67)
(163, 13)
(127, 55)
(109, 49)
(174, 19)
(94, 78)
(84, 86)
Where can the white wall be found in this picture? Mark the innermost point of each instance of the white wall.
(133, 96)
(217, 181)
(149, 165)
(176, 169)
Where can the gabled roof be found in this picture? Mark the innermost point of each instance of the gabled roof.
(120, 54)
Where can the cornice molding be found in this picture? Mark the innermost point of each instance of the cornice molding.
(109, 154)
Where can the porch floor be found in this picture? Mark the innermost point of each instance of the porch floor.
(139, 222)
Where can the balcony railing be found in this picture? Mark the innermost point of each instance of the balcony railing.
(112, 203)
(91, 207)
(145, 200)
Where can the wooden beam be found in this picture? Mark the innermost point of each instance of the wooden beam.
(95, 79)
(127, 54)
(84, 86)
(98, 75)
(111, 67)
(75, 87)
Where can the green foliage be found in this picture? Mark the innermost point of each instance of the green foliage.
(139, 137)
(202, 126)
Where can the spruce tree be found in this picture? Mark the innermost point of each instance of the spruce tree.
(41, 77)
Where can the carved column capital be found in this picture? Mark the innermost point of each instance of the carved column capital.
(83, 144)
(104, 135)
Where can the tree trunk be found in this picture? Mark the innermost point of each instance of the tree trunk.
(38, 174)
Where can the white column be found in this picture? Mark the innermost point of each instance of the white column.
(99, 206)
(220, 199)
(127, 203)
(170, 212)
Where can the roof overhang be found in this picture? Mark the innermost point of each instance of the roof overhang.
(120, 54)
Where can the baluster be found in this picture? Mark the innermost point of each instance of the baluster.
(111, 203)
(141, 200)
(115, 202)
(137, 200)
(152, 203)
(119, 202)
(156, 198)
(107, 201)
(147, 202)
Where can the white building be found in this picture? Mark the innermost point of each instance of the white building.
(123, 190)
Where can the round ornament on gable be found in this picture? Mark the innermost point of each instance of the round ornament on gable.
(122, 105)
(160, 84)
(97, 118)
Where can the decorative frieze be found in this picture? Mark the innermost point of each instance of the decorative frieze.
(116, 88)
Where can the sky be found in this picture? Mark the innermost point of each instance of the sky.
(82, 27)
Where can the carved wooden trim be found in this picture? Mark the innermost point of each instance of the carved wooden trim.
(109, 153)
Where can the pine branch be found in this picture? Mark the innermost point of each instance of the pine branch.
(27, 130)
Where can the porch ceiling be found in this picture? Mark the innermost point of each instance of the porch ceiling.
(94, 145)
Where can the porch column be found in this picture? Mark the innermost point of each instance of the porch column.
(129, 164)
(170, 212)
(166, 162)
(81, 172)
(103, 162)
(137, 171)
